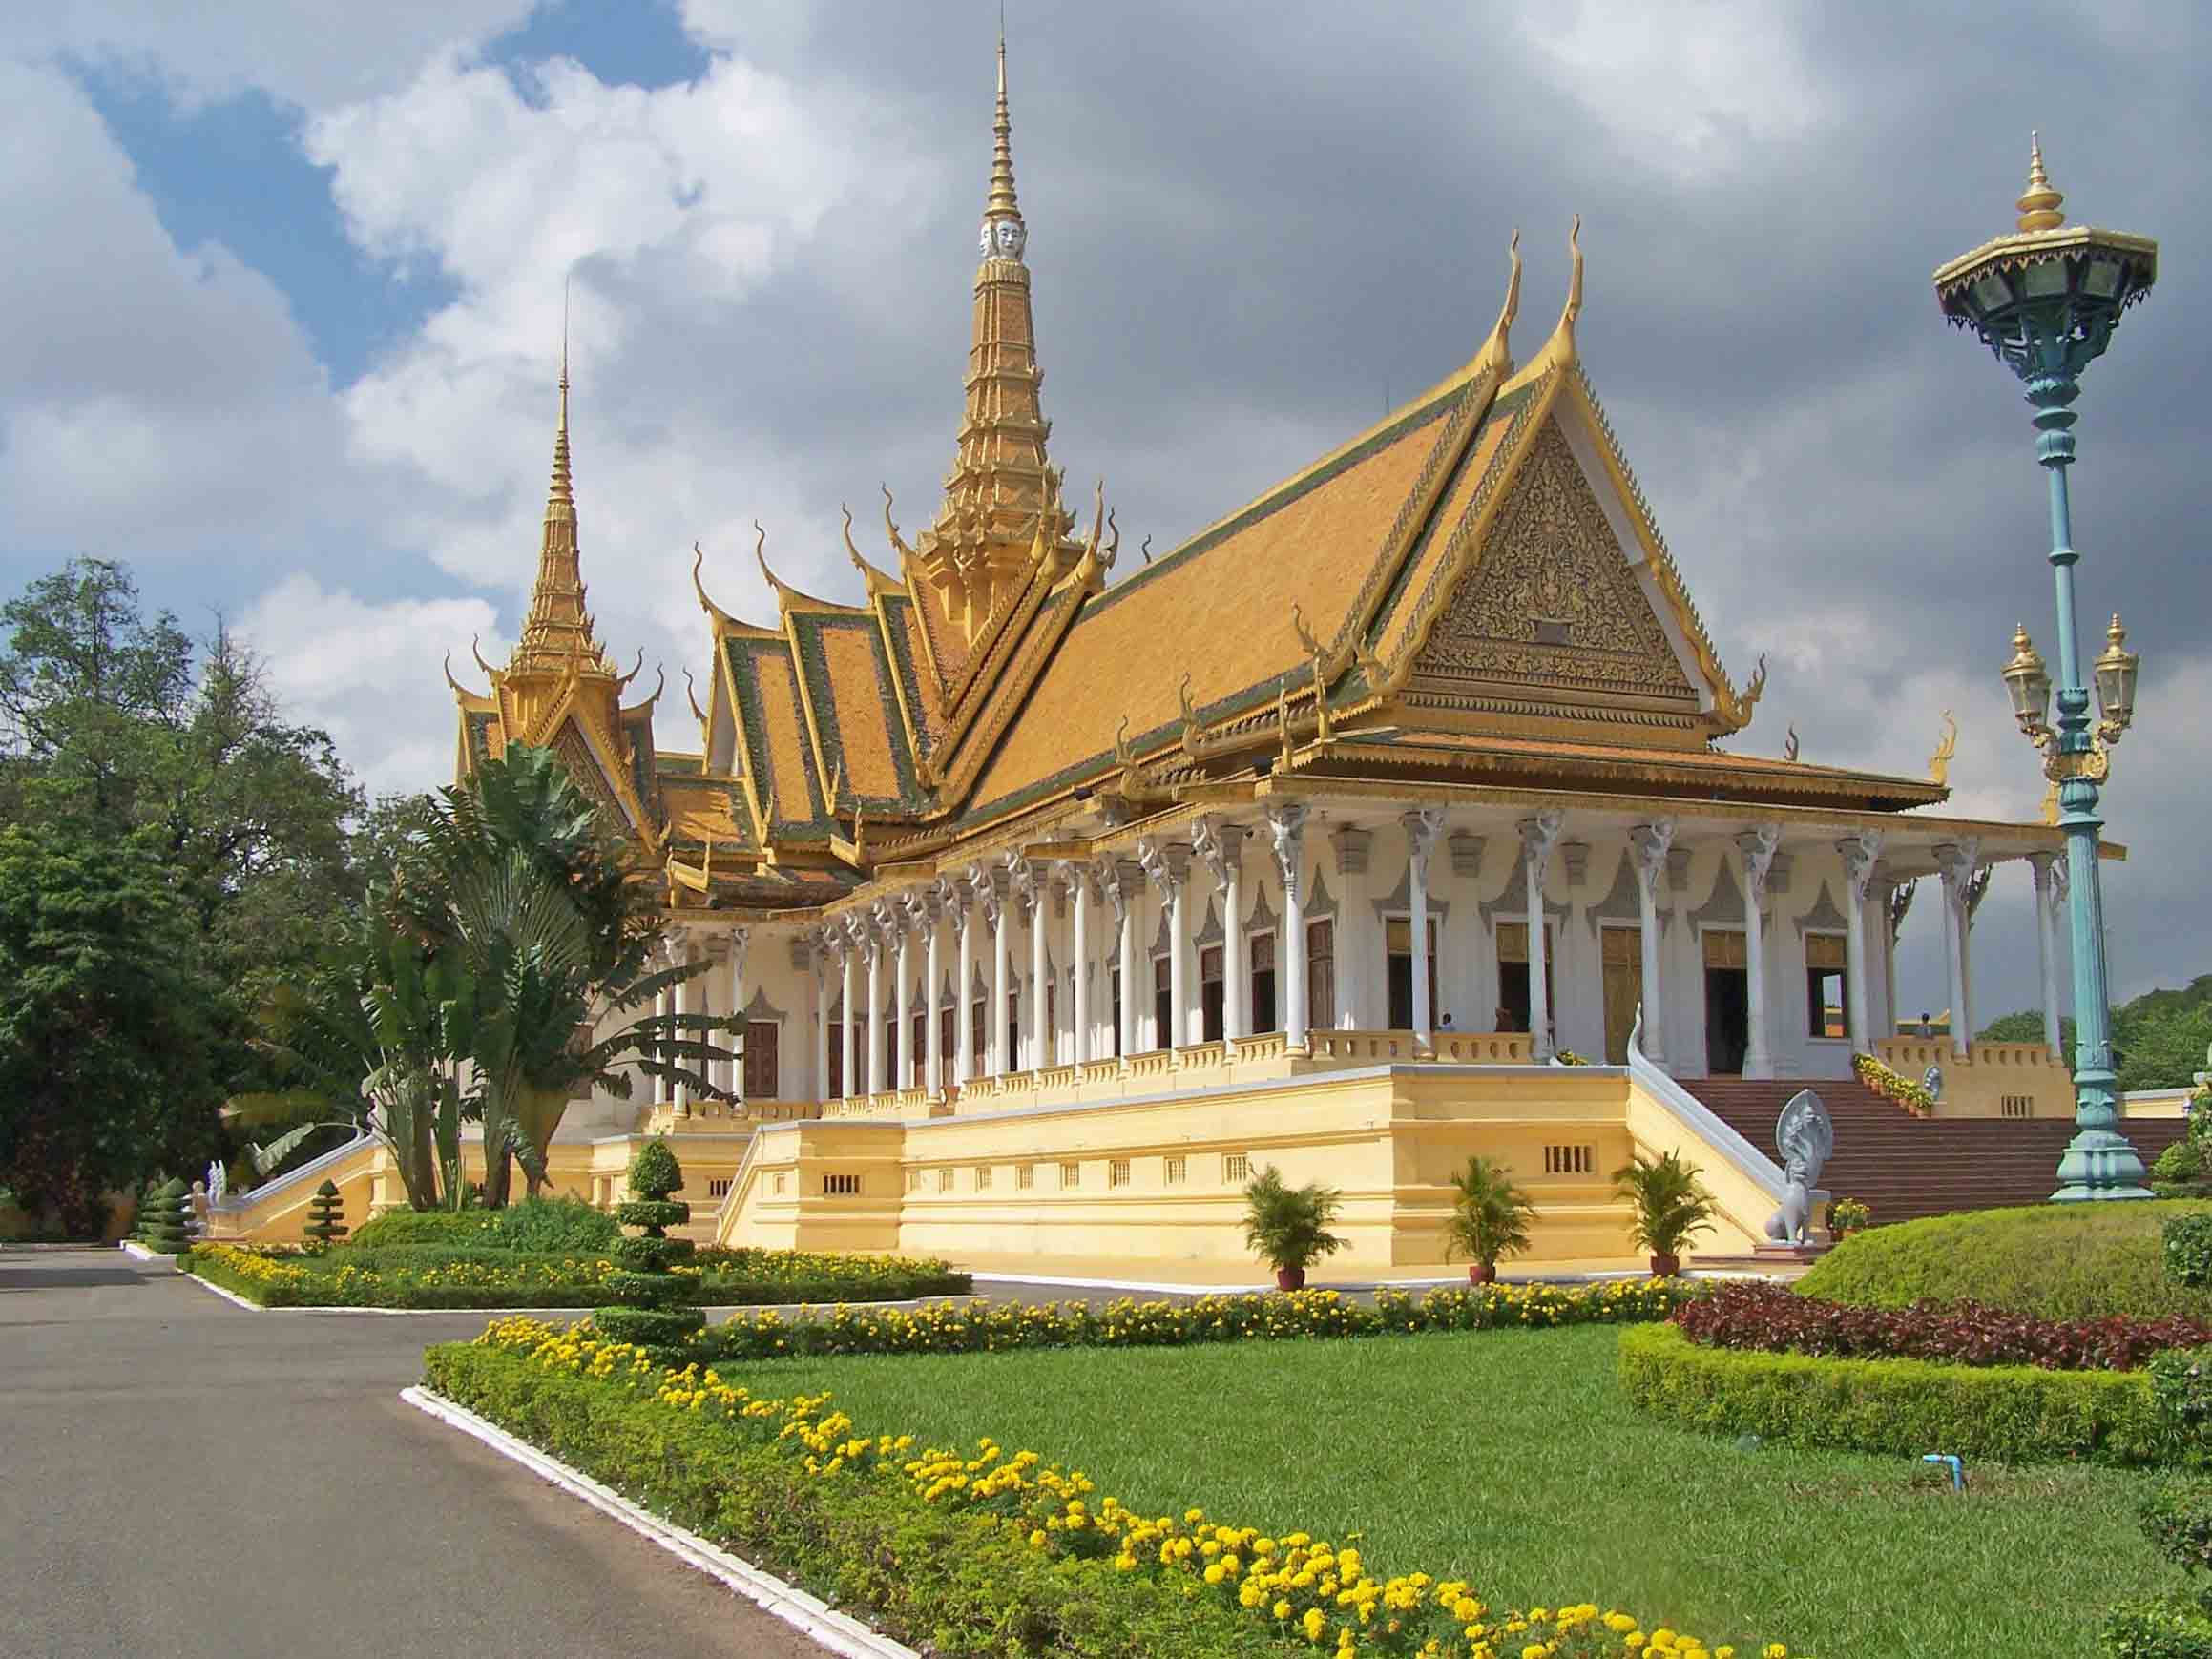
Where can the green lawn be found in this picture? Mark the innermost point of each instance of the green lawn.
(1508, 1457)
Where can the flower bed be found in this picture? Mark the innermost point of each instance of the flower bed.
(1893, 1085)
(994, 1552)
(2011, 1412)
(985, 1326)
(420, 1276)
(1774, 1320)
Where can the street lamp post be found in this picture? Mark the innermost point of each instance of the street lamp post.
(2046, 299)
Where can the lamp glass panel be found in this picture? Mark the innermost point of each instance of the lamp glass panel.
(2042, 280)
(2103, 279)
(1991, 292)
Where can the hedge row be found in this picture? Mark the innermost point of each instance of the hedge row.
(985, 1326)
(424, 1277)
(2009, 1413)
(1769, 1319)
(786, 1480)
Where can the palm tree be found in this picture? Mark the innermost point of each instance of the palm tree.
(1672, 1206)
(1491, 1218)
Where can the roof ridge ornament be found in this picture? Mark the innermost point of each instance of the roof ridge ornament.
(2039, 203)
(1495, 353)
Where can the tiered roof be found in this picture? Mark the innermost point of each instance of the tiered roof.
(1470, 593)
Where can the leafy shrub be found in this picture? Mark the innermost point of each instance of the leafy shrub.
(650, 1308)
(2188, 1242)
(1905, 1407)
(566, 1226)
(2177, 1518)
(1769, 1319)
(165, 1218)
(1489, 1214)
(2179, 1164)
(410, 1227)
(2181, 1385)
(2060, 1261)
(2172, 1629)
(1287, 1226)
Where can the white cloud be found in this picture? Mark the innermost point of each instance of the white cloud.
(371, 673)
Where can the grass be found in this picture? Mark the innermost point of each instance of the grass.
(1511, 1459)
(2062, 1261)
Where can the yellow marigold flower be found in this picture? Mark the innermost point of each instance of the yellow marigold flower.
(1037, 1540)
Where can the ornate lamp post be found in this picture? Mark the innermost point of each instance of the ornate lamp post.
(2046, 299)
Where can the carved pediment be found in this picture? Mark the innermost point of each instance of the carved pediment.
(1551, 602)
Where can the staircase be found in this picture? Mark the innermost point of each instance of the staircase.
(1906, 1167)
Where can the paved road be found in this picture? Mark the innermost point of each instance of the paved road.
(182, 1478)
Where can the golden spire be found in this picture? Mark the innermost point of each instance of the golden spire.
(1002, 498)
(558, 631)
(2039, 203)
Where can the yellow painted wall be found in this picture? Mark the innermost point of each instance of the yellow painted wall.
(1980, 1084)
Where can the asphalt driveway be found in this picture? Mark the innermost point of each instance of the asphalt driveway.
(182, 1478)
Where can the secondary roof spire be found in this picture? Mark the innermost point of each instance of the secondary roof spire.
(558, 631)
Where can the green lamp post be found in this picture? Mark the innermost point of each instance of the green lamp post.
(2045, 300)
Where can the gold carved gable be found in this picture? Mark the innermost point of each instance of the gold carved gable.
(1550, 601)
(575, 753)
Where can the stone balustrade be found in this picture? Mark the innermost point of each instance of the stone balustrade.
(1990, 1080)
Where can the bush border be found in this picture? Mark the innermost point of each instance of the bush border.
(2015, 1414)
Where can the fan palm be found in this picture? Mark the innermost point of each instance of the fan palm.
(1672, 1206)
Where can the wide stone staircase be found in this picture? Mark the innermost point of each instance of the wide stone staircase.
(1907, 1166)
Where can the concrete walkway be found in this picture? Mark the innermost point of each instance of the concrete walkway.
(186, 1479)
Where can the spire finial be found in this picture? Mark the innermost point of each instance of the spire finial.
(2039, 203)
(1003, 230)
(561, 488)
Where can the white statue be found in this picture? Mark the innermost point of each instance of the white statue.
(1804, 1136)
(218, 1182)
(1931, 1080)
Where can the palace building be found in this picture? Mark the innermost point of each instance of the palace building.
(1391, 818)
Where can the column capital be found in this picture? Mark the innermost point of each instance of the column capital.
(1352, 845)
(1539, 835)
(1648, 846)
(1167, 863)
(1221, 844)
(1023, 881)
(2061, 879)
(988, 888)
(1423, 825)
(1861, 852)
(951, 894)
(1957, 861)
(2042, 864)
(1758, 845)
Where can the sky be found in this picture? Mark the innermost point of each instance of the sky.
(283, 312)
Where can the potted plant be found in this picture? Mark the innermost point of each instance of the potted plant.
(1672, 1208)
(1289, 1226)
(1848, 1215)
(1489, 1219)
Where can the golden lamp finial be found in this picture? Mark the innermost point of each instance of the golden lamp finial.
(2039, 203)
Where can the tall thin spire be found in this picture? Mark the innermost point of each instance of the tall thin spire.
(1001, 202)
(558, 630)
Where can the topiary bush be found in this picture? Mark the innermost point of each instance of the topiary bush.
(552, 1227)
(165, 1218)
(442, 1227)
(326, 1216)
(2179, 1164)
(2058, 1261)
(649, 1297)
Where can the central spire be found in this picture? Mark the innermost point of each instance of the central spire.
(1002, 516)
(557, 631)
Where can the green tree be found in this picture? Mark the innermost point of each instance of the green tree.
(118, 1041)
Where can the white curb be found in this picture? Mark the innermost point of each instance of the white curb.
(837, 1633)
(137, 1251)
(730, 1308)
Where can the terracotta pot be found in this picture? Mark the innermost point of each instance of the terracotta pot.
(1665, 1266)
(1290, 1278)
(1481, 1272)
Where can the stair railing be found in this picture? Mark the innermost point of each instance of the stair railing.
(1700, 1119)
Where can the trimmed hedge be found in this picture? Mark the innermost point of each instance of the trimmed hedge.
(2013, 1414)
(1768, 1319)
(413, 1227)
(2188, 1244)
(938, 1579)
(166, 1219)
(2173, 1629)
(2057, 1261)
(985, 1326)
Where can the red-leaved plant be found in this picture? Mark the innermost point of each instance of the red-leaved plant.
(1774, 1320)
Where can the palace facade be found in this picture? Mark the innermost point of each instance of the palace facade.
(1058, 897)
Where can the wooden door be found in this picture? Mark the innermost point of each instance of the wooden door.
(762, 1075)
(1623, 988)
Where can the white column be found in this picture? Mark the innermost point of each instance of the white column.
(849, 1031)
(734, 1069)
(1539, 835)
(1894, 902)
(824, 953)
(902, 980)
(1956, 863)
(1169, 868)
(1079, 878)
(1039, 898)
(2049, 875)
(1648, 844)
(1860, 851)
(1287, 830)
(664, 1006)
(1221, 845)
(877, 1081)
(960, 897)
(1421, 824)
(1121, 888)
(686, 1003)
(1001, 917)
(1757, 847)
(930, 913)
